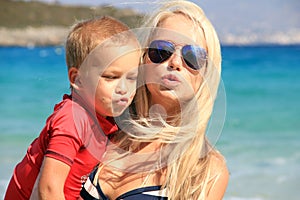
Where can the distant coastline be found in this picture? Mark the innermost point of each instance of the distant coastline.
(33, 23)
(56, 35)
(33, 36)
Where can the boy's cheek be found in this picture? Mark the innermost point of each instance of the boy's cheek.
(107, 83)
(132, 87)
(132, 96)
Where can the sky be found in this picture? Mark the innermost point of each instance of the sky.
(235, 20)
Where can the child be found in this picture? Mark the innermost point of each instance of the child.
(102, 57)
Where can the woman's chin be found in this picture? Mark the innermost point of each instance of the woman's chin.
(176, 95)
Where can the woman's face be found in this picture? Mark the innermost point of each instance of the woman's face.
(173, 81)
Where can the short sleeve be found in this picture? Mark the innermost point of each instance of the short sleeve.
(66, 132)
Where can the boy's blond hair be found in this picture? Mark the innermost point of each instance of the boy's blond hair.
(86, 35)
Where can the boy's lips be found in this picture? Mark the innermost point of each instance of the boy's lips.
(122, 101)
(170, 80)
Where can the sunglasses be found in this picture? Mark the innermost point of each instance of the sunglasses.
(161, 50)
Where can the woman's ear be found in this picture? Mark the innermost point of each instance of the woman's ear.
(74, 78)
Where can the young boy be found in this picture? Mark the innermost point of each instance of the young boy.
(102, 57)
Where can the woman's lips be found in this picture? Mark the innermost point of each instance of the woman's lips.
(170, 80)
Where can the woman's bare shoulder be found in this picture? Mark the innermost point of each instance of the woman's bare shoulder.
(219, 176)
(212, 175)
(218, 163)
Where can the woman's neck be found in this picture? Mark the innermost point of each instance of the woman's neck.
(166, 109)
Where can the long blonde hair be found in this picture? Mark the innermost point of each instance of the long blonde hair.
(188, 176)
(189, 162)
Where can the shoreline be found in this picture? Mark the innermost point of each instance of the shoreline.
(56, 36)
(33, 36)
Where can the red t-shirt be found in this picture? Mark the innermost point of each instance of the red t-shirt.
(74, 135)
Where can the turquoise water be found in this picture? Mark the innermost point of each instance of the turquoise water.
(261, 135)
(260, 138)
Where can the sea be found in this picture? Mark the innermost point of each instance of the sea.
(260, 136)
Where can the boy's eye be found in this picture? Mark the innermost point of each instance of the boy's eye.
(133, 78)
(109, 77)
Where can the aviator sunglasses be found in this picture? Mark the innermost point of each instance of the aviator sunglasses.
(161, 50)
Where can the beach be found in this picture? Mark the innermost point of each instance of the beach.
(33, 36)
(260, 138)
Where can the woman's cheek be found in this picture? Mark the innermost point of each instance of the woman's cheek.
(152, 73)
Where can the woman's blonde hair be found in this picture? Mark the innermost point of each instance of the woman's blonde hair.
(189, 163)
(188, 176)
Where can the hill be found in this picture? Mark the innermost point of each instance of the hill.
(35, 23)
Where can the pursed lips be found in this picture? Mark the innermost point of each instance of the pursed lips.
(170, 80)
(122, 101)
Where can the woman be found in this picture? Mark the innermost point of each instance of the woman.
(164, 153)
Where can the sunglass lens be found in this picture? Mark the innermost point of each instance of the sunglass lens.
(160, 51)
(194, 56)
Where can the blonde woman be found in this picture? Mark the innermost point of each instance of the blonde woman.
(163, 152)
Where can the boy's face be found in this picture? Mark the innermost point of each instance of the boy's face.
(108, 80)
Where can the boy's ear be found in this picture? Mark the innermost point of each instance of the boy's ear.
(74, 78)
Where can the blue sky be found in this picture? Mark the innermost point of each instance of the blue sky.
(256, 19)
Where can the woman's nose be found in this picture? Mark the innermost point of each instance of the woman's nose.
(176, 61)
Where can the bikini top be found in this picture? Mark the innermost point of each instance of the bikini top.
(89, 191)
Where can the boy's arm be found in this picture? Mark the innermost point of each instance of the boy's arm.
(53, 175)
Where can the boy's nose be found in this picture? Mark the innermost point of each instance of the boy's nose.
(122, 87)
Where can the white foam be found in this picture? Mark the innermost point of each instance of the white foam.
(281, 179)
(279, 161)
(3, 186)
(244, 198)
